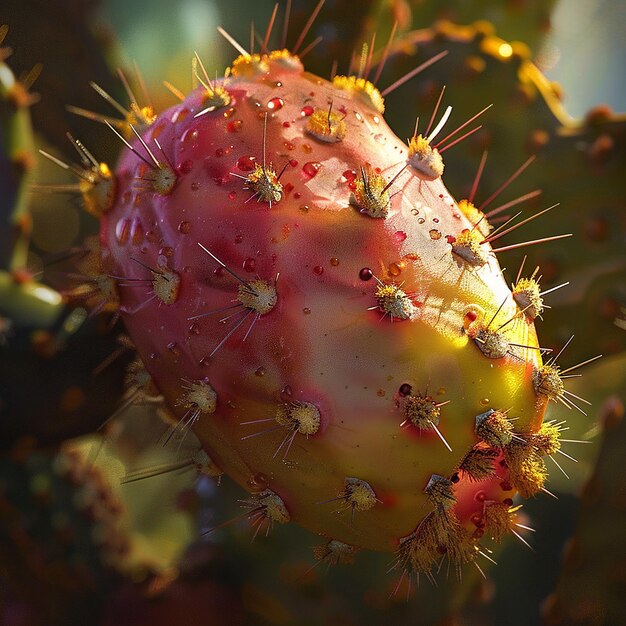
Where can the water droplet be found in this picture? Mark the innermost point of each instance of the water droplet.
(290, 145)
(152, 236)
(480, 496)
(436, 220)
(471, 316)
(136, 231)
(421, 220)
(232, 195)
(311, 168)
(286, 124)
(184, 228)
(286, 393)
(304, 208)
(399, 236)
(405, 390)
(288, 188)
(380, 138)
(450, 239)
(234, 126)
(249, 265)
(307, 148)
(306, 310)
(485, 401)
(434, 234)
(195, 186)
(334, 262)
(394, 269)
(229, 112)
(381, 393)
(167, 252)
(297, 195)
(275, 103)
(258, 482)
(348, 176)
(260, 372)
(307, 110)
(122, 229)
(318, 269)
(246, 163)
(174, 349)
(194, 329)
(189, 137)
(366, 273)
(293, 163)
(186, 166)
(180, 115)
(238, 238)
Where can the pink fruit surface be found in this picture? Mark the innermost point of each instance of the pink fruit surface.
(307, 295)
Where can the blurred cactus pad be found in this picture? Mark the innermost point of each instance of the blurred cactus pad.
(273, 350)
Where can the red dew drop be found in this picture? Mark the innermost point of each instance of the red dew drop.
(293, 163)
(311, 168)
(194, 329)
(508, 501)
(122, 230)
(275, 103)
(238, 238)
(506, 486)
(480, 496)
(286, 124)
(399, 236)
(471, 316)
(232, 195)
(186, 167)
(246, 163)
(334, 261)
(318, 269)
(288, 188)
(286, 393)
(366, 274)
(436, 220)
(297, 195)
(348, 176)
(307, 110)
(167, 251)
(450, 239)
(249, 265)
(234, 126)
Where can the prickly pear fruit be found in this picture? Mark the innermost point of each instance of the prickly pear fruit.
(307, 295)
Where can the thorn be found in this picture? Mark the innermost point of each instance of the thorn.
(385, 55)
(413, 72)
(432, 117)
(232, 42)
(531, 243)
(307, 26)
(506, 183)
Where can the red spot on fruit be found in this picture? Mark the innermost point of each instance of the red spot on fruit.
(318, 269)
(234, 126)
(311, 168)
(246, 163)
(307, 110)
(275, 103)
(366, 273)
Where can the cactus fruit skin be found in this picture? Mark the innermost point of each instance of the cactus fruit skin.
(354, 302)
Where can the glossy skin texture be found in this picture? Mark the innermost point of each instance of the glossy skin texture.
(327, 341)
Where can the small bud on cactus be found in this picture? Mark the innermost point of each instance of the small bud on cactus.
(286, 194)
